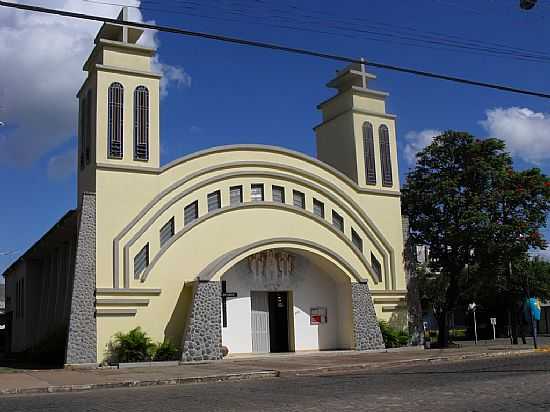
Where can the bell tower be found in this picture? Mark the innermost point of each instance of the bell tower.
(357, 136)
(118, 105)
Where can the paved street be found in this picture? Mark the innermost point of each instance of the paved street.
(494, 384)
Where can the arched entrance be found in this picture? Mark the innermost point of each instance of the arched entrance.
(283, 300)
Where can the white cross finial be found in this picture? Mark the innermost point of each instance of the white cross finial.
(123, 16)
(363, 73)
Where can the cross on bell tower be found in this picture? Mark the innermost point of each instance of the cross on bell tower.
(356, 135)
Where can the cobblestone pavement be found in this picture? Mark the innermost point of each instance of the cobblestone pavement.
(495, 384)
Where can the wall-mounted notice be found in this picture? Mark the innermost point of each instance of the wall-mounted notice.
(317, 315)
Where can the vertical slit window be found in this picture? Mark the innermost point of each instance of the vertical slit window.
(116, 120)
(88, 130)
(299, 199)
(376, 266)
(166, 232)
(385, 156)
(278, 194)
(356, 240)
(318, 208)
(141, 261)
(83, 118)
(214, 200)
(370, 163)
(337, 221)
(191, 213)
(141, 123)
(235, 195)
(257, 192)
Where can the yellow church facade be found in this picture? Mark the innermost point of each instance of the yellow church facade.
(241, 248)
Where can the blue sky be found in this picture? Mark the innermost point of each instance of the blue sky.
(223, 94)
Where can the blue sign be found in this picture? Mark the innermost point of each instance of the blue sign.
(532, 308)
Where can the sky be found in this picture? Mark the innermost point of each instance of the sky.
(216, 93)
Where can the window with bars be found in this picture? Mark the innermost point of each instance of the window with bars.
(235, 195)
(370, 163)
(318, 208)
(356, 240)
(278, 194)
(115, 120)
(214, 200)
(141, 123)
(166, 232)
(385, 156)
(376, 266)
(191, 213)
(299, 199)
(257, 192)
(337, 221)
(141, 261)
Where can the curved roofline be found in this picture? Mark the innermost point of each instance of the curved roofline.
(253, 147)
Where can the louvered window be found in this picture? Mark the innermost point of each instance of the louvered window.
(299, 199)
(191, 213)
(370, 164)
(385, 156)
(235, 195)
(257, 192)
(318, 208)
(141, 123)
(356, 239)
(376, 266)
(214, 200)
(141, 261)
(337, 221)
(115, 122)
(83, 128)
(278, 193)
(88, 129)
(166, 232)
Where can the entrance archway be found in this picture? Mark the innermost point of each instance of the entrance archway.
(286, 299)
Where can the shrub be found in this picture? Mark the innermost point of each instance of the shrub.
(166, 351)
(134, 346)
(393, 338)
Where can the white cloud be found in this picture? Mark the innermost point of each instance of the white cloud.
(416, 141)
(41, 70)
(542, 253)
(62, 166)
(526, 133)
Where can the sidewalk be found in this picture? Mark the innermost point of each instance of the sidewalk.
(234, 368)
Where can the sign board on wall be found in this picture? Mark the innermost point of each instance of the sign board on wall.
(317, 315)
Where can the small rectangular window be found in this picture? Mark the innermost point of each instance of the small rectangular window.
(278, 193)
(337, 221)
(299, 199)
(191, 213)
(356, 239)
(214, 200)
(319, 208)
(257, 192)
(235, 195)
(376, 266)
(141, 261)
(166, 232)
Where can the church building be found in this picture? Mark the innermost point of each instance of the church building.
(241, 248)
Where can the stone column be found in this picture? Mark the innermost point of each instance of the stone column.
(82, 334)
(366, 332)
(203, 332)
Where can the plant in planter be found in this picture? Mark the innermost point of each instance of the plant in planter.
(134, 346)
(393, 338)
(166, 351)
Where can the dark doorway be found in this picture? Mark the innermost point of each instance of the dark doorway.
(278, 321)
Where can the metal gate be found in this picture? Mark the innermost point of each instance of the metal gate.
(260, 322)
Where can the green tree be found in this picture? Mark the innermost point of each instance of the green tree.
(467, 205)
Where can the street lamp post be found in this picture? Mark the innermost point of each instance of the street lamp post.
(472, 307)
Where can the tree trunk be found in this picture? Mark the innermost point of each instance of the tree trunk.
(443, 325)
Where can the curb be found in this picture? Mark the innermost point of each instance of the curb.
(142, 383)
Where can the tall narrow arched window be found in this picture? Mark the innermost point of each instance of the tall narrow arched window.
(82, 121)
(385, 156)
(88, 130)
(141, 123)
(370, 164)
(116, 119)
